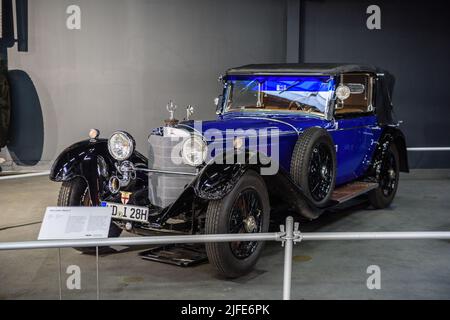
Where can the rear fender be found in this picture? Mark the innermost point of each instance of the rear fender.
(398, 138)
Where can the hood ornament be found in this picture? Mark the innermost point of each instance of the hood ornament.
(189, 112)
(171, 107)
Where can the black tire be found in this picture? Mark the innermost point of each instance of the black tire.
(383, 196)
(305, 161)
(221, 217)
(74, 193)
(26, 132)
(5, 110)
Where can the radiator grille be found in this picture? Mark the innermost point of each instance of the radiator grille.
(165, 188)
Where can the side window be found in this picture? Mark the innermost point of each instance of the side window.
(360, 100)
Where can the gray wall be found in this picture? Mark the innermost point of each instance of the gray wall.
(131, 57)
(413, 44)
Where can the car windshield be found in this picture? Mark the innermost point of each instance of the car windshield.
(309, 94)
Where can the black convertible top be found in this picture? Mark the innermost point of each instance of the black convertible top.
(384, 86)
(303, 68)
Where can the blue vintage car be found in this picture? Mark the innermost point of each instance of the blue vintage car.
(288, 138)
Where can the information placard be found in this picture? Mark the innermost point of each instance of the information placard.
(69, 223)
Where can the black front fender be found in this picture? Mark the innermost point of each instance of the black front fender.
(216, 180)
(72, 162)
(90, 160)
(219, 176)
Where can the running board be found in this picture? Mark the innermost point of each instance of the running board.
(352, 190)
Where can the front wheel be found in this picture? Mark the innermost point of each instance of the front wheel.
(75, 193)
(245, 209)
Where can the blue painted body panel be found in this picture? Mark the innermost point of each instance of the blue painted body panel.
(355, 138)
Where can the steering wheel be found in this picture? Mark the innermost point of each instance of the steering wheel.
(295, 105)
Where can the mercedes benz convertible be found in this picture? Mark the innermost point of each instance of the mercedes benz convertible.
(297, 138)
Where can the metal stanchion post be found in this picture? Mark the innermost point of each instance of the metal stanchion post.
(98, 288)
(59, 274)
(289, 242)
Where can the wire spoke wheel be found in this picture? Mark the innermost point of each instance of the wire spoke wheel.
(246, 217)
(75, 193)
(320, 174)
(246, 209)
(313, 165)
(388, 177)
(86, 199)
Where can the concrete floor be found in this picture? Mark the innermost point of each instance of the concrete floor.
(410, 269)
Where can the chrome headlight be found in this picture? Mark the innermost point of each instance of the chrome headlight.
(121, 145)
(194, 151)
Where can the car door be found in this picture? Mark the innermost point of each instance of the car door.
(354, 127)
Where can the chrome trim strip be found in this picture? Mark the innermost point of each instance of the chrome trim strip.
(190, 127)
(23, 175)
(282, 73)
(285, 133)
(167, 172)
(429, 149)
(270, 119)
(354, 128)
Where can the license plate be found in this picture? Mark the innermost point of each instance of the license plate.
(126, 212)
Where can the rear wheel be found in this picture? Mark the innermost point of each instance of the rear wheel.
(388, 178)
(245, 209)
(75, 193)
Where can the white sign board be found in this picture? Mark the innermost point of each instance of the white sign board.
(69, 223)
